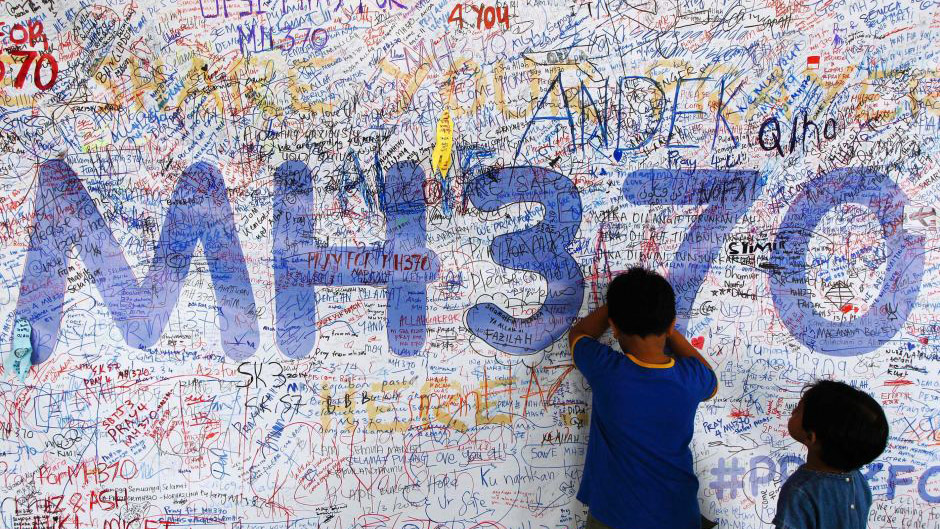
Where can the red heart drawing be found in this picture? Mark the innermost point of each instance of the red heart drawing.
(698, 342)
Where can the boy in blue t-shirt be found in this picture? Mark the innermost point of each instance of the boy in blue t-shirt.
(843, 428)
(638, 469)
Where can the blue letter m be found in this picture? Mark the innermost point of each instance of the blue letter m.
(67, 218)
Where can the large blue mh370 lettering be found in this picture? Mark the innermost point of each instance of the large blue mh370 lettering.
(67, 222)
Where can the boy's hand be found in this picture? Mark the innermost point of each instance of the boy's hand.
(682, 347)
(594, 325)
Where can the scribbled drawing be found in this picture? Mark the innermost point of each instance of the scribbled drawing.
(839, 294)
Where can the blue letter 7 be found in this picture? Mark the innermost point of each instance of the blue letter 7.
(728, 195)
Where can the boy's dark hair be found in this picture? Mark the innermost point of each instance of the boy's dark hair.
(849, 424)
(641, 302)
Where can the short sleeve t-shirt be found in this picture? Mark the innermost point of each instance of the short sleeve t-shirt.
(819, 500)
(638, 470)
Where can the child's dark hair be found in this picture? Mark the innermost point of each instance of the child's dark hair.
(641, 302)
(849, 424)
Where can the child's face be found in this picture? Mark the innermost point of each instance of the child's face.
(795, 425)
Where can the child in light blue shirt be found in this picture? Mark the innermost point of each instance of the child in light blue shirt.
(843, 428)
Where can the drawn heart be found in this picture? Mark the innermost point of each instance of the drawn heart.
(698, 342)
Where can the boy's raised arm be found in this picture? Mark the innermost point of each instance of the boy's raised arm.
(681, 346)
(594, 325)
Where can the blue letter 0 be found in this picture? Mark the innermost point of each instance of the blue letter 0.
(541, 249)
(905, 256)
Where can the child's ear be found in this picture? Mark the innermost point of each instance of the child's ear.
(810, 438)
